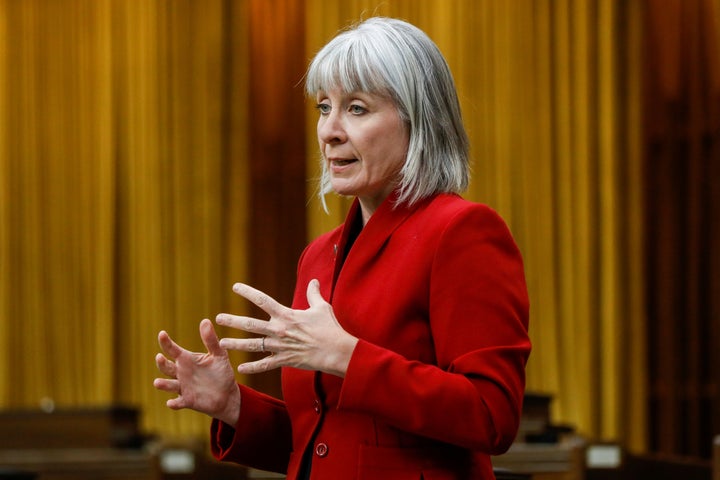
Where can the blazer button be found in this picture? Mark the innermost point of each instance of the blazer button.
(321, 449)
(316, 406)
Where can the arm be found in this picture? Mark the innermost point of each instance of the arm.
(261, 438)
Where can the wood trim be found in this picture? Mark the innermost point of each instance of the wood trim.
(277, 217)
(682, 138)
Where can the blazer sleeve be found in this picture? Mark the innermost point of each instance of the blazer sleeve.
(478, 314)
(260, 439)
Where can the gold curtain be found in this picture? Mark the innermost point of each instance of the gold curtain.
(550, 97)
(123, 186)
(116, 207)
(57, 186)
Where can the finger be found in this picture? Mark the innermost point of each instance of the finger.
(171, 349)
(247, 324)
(259, 366)
(264, 301)
(165, 366)
(314, 297)
(210, 339)
(167, 385)
(176, 403)
(244, 344)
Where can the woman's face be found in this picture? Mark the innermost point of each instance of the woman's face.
(364, 142)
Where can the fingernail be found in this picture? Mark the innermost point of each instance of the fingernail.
(236, 287)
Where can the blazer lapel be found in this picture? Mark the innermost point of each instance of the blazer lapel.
(372, 238)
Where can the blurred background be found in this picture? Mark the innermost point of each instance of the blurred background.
(154, 152)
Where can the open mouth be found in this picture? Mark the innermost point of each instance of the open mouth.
(341, 162)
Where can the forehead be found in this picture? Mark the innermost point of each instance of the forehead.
(346, 83)
(339, 94)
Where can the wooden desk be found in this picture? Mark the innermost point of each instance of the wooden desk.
(111, 427)
(502, 474)
(12, 474)
(83, 464)
(545, 461)
(76, 444)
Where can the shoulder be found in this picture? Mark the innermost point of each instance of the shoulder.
(449, 210)
(459, 224)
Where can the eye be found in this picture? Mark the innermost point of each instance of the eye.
(323, 108)
(357, 109)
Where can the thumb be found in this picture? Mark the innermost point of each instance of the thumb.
(314, 297)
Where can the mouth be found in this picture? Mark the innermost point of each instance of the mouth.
(341, 162)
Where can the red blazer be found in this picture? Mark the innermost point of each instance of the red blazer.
(437, 296)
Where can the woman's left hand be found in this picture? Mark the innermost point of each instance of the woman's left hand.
(310, 339)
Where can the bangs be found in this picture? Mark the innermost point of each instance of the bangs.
(347, 64)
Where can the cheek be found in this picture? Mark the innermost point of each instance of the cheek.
(400, 148)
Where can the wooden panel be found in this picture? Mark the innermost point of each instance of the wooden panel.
(682, 144)
(83, 464)
(277, 145)
(666, 467)
(76, 444)
(653, 467)
(277, 150)
(501, 474)
(70, 428)
(545, 461)
(13, 474)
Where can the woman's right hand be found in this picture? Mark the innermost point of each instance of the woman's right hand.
(204, 382)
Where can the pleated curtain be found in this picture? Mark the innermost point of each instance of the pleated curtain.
(124, 176)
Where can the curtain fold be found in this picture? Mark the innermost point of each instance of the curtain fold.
(118, 214)
(124, 177)
(57, 189)
(173, 174)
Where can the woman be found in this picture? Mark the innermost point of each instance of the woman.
(403, 355)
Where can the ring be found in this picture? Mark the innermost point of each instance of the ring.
(262, 346)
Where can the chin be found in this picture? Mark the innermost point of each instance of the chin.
(343, 190)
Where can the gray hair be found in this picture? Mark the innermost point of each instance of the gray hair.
(391, 57)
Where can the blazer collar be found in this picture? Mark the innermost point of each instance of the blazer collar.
(369, 242)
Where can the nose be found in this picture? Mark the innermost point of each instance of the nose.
(330, 129)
